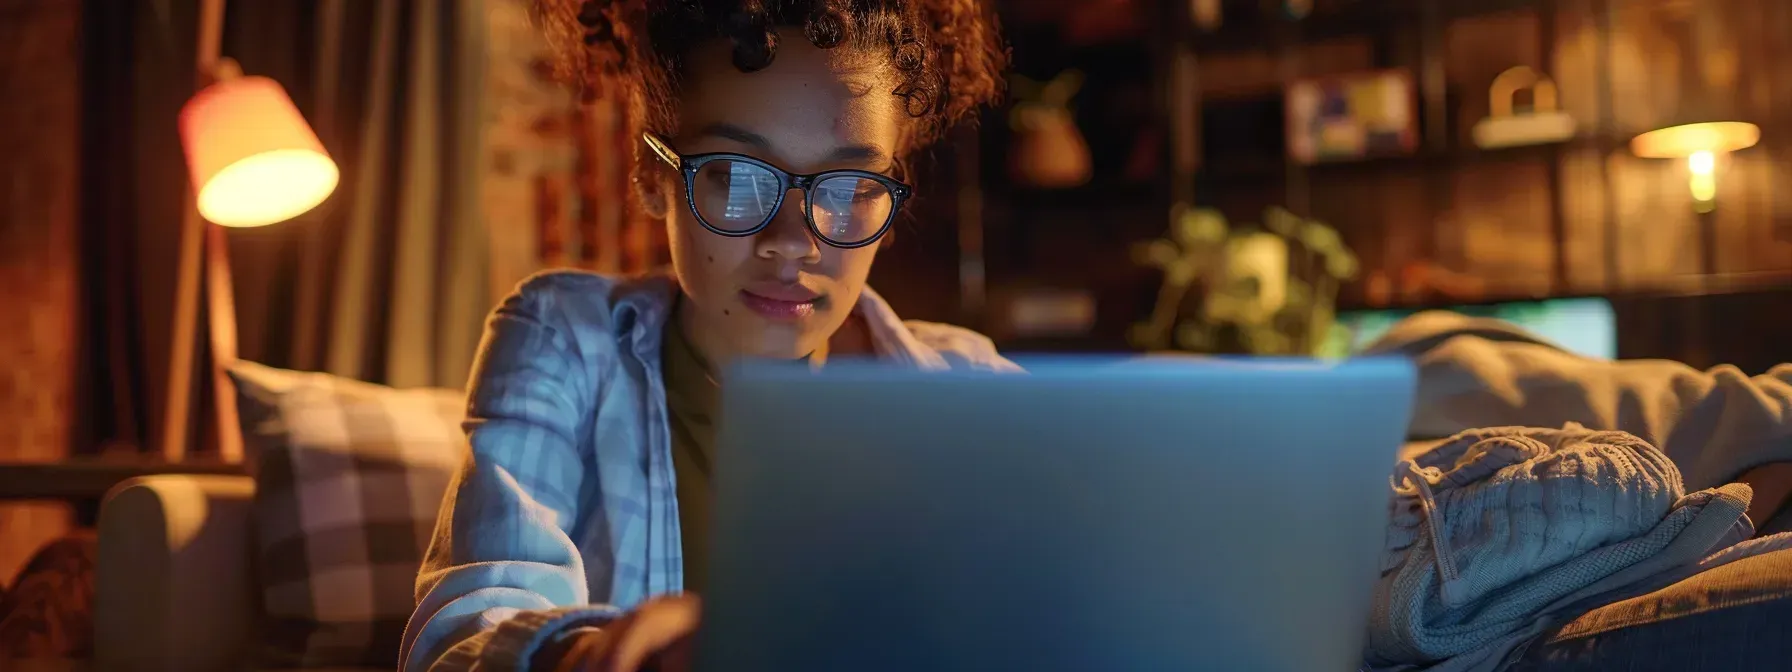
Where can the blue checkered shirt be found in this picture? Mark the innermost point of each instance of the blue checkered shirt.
(564, 514)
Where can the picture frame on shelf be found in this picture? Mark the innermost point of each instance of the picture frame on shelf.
(1352, 117)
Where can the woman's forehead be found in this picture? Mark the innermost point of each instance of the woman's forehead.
(805, 106)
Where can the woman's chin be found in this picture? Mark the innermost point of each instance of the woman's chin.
(784, 342)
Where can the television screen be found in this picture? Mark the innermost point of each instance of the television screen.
(1586, 326)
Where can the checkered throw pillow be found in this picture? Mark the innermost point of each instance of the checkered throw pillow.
(349, 477)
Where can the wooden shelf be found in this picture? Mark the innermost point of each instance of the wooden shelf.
(1370, 17)
(1103, 195)
(91, 478)
(1269, 170)
(1692, 286)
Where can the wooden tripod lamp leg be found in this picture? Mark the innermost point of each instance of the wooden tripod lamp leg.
(221, 308)
(177, 402)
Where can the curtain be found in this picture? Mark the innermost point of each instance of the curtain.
(461, 174)
(387, 282)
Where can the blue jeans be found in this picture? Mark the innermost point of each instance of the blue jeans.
(1737, 616)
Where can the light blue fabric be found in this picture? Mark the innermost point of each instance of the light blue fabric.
(1500, 530)
(565, 512)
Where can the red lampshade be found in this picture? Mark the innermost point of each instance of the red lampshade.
(253, 159)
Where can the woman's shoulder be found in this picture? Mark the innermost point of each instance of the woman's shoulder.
(591, 304)
(955, 347)
(961, 348)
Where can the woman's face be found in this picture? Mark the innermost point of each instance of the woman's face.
(781, 292)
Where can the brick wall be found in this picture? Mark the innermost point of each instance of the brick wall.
(555, 183)
(39, 174)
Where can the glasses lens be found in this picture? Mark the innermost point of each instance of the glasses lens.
(850, 210)
(735, 196)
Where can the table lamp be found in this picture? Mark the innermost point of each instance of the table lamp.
(1705, 146)
(1704, 128)
(253, 161)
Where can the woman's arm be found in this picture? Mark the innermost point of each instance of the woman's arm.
(502, 574)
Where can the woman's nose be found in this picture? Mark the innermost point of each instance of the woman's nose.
(788, 235)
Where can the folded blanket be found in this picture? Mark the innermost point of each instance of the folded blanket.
(1476, 372)
(1498, 531)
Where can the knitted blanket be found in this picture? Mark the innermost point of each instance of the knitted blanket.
(1497, 529)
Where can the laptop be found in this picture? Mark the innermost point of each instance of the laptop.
(1158, 514)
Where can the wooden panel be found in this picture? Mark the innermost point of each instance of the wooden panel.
(1502, 210)
(39, 220)
(1584, 208)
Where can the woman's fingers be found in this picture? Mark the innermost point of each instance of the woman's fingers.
(653, 629)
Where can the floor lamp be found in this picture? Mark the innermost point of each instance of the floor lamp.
(253, 161)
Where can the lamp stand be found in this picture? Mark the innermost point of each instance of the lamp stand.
(1707, 245)
(203, 254)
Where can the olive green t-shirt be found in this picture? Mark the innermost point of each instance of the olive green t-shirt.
(692, 397)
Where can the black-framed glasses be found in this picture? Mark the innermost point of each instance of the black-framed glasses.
(736, 195)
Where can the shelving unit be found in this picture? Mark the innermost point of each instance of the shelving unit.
(1407, 34)
(1019, 240)
(1561, 202)
(1396, 210)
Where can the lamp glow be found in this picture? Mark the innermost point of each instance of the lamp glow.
(252, 158)
(1702, 146)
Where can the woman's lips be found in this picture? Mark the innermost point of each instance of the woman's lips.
(780, 302)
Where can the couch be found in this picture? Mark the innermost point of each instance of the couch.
(175, 583)
(185, 561)
(309, 563)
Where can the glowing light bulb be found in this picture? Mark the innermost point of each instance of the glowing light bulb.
(1703, 179)
(1702, 162)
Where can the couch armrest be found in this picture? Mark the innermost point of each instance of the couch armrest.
(174, 585)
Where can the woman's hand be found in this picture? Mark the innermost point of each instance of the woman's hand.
(655, 637)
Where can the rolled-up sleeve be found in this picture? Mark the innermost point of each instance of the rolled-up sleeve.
(502, 573)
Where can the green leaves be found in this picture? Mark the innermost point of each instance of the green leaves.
(1193, 257)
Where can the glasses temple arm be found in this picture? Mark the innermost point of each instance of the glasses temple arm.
(661, 149)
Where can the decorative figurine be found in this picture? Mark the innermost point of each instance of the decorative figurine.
(1507, 125)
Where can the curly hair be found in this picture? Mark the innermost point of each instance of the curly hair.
(947, 54)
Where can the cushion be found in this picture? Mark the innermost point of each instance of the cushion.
(348, 479)
(1736, 616)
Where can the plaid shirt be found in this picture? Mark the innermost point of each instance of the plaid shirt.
(565, 512)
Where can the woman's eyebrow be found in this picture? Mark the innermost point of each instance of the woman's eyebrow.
(870, 155)
(729, 131)
(867, 154)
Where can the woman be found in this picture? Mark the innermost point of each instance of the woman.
(776, 135)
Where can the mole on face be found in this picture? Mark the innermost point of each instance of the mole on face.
(725, 312)
(711, 258)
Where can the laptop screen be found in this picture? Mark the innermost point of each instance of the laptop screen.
(1586, 326)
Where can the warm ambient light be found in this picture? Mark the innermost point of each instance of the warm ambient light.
(1702, 146)
(252, 158)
